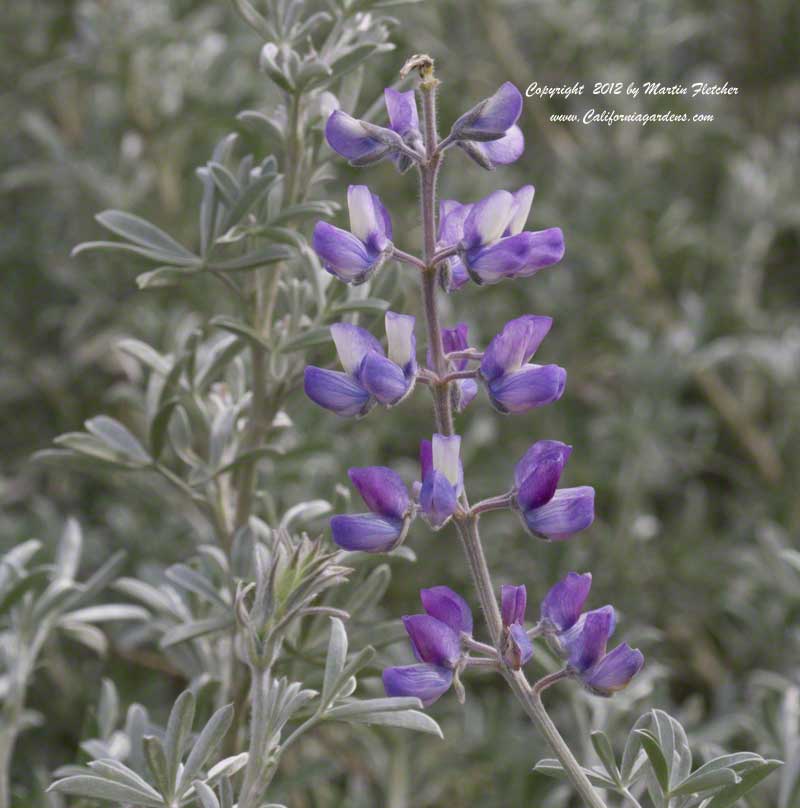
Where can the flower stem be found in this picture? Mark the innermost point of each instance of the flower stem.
(466, 523)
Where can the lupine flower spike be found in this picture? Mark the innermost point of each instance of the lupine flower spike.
(515, 386)
(436, 642)
(492, 244)
(391, 512)
(442, 478)
(517, 647)
(369, 375)
(488, 132)
(548, 512)
(355, 256)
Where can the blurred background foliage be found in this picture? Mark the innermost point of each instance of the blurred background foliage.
(676, 316)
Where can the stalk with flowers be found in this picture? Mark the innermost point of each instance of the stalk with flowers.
(258, 621)
(484, 242)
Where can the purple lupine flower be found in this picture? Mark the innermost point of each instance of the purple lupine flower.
(518, 648)
(563, 604)
(348, 136)
(582, 638)
(442, 478)
(403, 119)
(354, 256)
(364, 143)
(562, 617)
(391, 511)
(602, 673)
(369, 375)
(514, 385)
(492, 242)
(436, 641)
(549, 513)
(488, 133)
(463, 390)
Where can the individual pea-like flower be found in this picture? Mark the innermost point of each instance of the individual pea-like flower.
(391, 512)
(364, 143)
(462, 390)
(488, 132)
(602, 673)
(514, 385)
(549, 512)
(517, 646)
(356, 255)
(491, 242)
(442, 478)
(369, 375)
(581, 638)
(436, 641)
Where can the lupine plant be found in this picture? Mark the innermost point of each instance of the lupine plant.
(258, 622)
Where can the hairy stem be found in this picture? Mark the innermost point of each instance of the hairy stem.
(466, 523)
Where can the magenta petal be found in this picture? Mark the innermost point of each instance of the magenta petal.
(563, 604)
(448, 606)
(382, 490)
(514, 345)
(513, 600)
(335, 391)
(432, 640)
(523, 390)
(568, 512)
(614, 671)
(426, 682)
(383, 379)
(366, 532)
